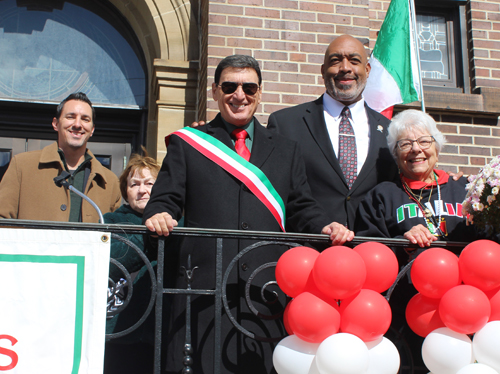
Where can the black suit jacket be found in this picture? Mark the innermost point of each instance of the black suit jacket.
(305, 124)
(211, 198)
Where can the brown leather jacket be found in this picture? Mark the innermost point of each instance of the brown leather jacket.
(28, 191)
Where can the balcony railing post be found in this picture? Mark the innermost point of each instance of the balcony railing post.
(218, 306)
(159, 306)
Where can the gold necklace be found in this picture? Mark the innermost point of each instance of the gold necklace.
(433, 225)
(425, 209)
(422, 190)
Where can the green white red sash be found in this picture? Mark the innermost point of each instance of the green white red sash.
(237, 166)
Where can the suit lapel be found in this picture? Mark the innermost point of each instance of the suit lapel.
(377, 138)
(217, 129)
(262, 145)
(315, 121)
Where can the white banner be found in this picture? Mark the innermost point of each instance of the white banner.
(53, 286)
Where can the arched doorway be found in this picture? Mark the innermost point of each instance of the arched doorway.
(53, 48)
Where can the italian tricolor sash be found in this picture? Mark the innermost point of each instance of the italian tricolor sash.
(237, 166)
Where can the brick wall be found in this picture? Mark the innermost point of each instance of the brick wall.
(289, 39)
(472, 141)
(485, 42)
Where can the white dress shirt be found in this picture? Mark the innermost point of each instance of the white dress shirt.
(359, 122)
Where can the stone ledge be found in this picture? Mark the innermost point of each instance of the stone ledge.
(486, 101)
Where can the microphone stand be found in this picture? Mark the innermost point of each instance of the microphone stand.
(60, 181)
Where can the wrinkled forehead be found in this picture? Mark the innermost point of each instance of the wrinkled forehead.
(240, 75)
(140, 172)
(346, 47)
(412, 131)
(77, 106)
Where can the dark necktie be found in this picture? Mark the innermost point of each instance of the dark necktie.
(239, 145)
(348, 157)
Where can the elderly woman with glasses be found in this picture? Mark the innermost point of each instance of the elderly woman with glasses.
(425, 204)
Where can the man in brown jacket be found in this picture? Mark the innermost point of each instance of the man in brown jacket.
(28, 191)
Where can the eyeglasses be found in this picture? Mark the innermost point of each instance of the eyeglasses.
(248, 88)
(424, 142)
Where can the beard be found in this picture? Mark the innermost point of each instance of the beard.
(345, 92)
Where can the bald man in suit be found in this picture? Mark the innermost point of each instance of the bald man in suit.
(315, 126)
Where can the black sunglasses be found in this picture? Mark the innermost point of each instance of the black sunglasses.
(248, 88)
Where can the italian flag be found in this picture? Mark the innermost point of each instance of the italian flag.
(394, 76)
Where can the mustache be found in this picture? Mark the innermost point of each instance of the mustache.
(348, 76)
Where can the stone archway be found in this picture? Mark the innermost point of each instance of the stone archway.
(168, 33)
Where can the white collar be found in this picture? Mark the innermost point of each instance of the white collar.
(334, 107)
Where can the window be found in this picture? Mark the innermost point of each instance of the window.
(5, 156)
(442, 45)
(105, 160)
(52, 49)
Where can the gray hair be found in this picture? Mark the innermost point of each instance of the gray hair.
(411, 119)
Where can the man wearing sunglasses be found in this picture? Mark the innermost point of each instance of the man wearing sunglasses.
(220, 179)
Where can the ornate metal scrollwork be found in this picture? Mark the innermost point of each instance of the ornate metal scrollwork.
(115, 302)
(247, 290)
(130, 288)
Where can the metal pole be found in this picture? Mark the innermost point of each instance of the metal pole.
(413, 26)
(83, 196)
(159, 305)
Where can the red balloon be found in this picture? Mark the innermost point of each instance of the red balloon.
(434, 272)
(311, 287)
(479, 264)
(286, 322)
(381, 265)
(494, 297)
(465, 309)
(339, 272)
(422, 315)
(312, 319)
(293, 269)
(366, 315)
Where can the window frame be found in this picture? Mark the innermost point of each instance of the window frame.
(115, 123)
(454, 13)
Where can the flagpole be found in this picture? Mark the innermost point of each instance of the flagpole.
(415, 41)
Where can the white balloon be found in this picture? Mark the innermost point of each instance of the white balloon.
(383, 357)
(314, 368)
(294, 356)
(342, 353)
(445, 351)
(486, 345)
(477, 368)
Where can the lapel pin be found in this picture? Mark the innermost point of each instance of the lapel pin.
(380, 128)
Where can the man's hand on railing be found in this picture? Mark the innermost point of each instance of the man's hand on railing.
(339, 234)
(196, 124)
(161, 223)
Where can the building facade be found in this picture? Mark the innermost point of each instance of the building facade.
(177, 45)
(289, 39)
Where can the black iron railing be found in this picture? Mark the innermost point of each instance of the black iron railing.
(158, 290)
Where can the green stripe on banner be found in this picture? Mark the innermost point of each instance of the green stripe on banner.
(79, 261)
(229, 152)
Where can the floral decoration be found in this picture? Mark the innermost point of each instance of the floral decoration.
(482, 203)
